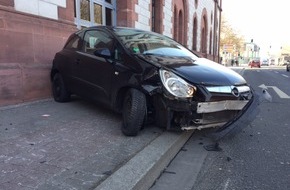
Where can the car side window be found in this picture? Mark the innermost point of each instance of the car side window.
(95, 39)
(73, 43)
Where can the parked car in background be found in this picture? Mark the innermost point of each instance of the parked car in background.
(265, 62)
(148, 77)
(255, 63)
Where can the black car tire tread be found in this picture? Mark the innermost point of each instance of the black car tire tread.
(59, 91)
(134, 109)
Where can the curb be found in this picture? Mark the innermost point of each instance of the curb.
(145, 167)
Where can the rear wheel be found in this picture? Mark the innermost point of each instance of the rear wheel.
(134, 111)
(287, 68)
(59, 91)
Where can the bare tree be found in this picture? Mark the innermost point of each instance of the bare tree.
(230, 38)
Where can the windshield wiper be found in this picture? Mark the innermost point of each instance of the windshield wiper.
(149, 53)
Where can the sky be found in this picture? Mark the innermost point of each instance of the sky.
(267, 22)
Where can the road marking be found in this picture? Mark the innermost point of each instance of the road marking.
(276, 72)
(285, 76)
(280, 93)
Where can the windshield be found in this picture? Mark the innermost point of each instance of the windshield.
(149, 43)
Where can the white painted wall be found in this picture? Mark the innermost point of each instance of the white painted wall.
(45, 8)
(144, 15)
(168, 18)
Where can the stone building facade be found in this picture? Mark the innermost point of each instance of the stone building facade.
(32, 31)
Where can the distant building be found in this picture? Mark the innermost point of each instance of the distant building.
(251, 51)
(32, 31)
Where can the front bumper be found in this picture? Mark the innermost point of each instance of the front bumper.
(216, 114)
(189, 115)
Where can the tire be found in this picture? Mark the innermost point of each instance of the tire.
(134, 111)
(287, 68)
(59, 91)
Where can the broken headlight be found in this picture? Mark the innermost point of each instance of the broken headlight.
(176, 85)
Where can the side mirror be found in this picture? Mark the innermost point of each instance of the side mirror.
(103, 52)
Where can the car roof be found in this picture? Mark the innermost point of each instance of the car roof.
(110, 28)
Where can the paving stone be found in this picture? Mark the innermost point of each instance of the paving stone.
(51, 146)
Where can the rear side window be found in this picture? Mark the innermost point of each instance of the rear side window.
(95, 39)
(73, 43)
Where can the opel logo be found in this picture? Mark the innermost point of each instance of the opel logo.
(235, 92)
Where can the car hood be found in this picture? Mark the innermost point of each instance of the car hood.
(198, 71)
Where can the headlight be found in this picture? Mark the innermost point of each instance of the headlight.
(176, 85)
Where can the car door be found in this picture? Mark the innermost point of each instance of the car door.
(64, 61)
(94, 73)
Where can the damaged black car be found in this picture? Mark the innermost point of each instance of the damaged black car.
(148, 77)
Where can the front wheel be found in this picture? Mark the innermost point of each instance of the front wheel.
(134, 111)
(59, 91)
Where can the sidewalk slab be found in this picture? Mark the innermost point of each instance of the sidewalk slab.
(77, 145)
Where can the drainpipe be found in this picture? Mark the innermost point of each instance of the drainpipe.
(214, 31)
(220, 21)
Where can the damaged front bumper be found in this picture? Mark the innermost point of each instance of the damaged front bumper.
(190, 115)
(229, 106)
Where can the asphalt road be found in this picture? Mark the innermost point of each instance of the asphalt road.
(256, 158)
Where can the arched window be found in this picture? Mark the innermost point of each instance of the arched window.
(210, 43)
(194, 36)
(216, 35)
(180, 19)
(180, 27)
(175, 32)
(204, 32)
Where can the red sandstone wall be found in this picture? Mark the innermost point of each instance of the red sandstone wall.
(126, 15)
(28, 45)
(7, 3)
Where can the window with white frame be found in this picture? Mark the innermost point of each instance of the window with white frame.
(95, 12)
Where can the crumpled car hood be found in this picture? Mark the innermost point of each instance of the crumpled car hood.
(200, 71)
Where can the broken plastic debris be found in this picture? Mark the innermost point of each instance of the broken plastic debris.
(267, 96)
(213, 147)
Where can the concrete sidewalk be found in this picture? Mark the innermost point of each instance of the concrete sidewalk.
(52, 146)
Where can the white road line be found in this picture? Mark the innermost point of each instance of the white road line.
(280, 92)
(285, 76)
